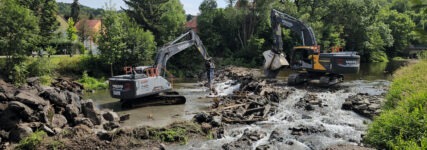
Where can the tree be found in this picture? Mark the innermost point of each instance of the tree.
(123, 43)
(75, 10)
(45, 11)
(164, 18)
(71, 34)
(17, 38)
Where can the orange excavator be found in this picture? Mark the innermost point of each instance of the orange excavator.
(307, 60)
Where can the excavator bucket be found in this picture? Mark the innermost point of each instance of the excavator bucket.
(273, 62)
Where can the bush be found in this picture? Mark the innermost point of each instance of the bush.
(31, 142)
(39, 67)
(19, 73)
(378, 56)
(91, 83)
(402, 125)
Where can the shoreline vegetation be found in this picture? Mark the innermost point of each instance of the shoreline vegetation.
(402, 124)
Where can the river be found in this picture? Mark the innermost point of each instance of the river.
(340, 127)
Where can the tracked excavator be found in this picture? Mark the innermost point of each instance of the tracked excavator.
(146, 85)
(307, 60)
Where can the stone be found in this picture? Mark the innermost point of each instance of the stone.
(23, 110)
(202, 117)
(71, 112)
(30, 99)
(48, 130)
(111, 116)
(105, 136)
(3, 106)
(20, 133)
(374, 106)
(89, 111)
(124, 117)
(216, 121)
(111, 125)
(58, 121)
(55, 97)
(206, 127)
(83, 121)
(9, 119)
(3, 97)
(47, 114)
(33, 80)
(347, 105)
(73, 98)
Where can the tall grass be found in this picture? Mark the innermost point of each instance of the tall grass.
(403, 123)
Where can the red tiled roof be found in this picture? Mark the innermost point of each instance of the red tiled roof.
(192, 23)
(91, 24)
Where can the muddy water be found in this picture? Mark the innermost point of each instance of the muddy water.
(159, 116)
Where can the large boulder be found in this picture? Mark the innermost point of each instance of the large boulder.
(90, 111)
(19, 133)
(9, 119)
(30, 99)
(71, 112)
(23, 110)
(57, 98)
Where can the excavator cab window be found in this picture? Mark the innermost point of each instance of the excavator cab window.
(302, 58)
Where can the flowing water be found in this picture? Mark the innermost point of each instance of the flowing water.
(338, 126)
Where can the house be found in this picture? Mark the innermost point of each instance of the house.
(192, 24)
(87, 30)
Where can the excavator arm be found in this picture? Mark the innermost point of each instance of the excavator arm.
(179, 45)
(276, 58)
(279, 19)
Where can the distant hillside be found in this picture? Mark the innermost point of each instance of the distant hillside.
(64, 9)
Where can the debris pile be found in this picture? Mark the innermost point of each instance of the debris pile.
(364, 104)
(309, 102)
(256, 100)
(33, 107)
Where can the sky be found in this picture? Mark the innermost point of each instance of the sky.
(190, 6)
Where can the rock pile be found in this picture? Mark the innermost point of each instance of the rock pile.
(33, 107)
(309, 102)
(364, 104)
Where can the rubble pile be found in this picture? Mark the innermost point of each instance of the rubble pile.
(256, 100)
(33, 107)
(364, 104)
(236, 73)
(309, 102)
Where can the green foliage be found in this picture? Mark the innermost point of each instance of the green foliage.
(164, 18)
(39, 67)
(75, 10)
(46, 12)
(46, 80)
(19, 73)
(18, 31)
(71, 30)
(65, 10)
(91, 83)
(31, 142)
(402, 124)
(176, 132)
(123, 43)
(378, 56)
(50, 50)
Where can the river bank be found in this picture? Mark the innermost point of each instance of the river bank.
(402, 124)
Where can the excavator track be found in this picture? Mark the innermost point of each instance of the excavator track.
(166, 98)
(324, 80)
